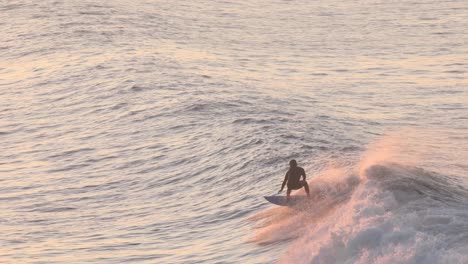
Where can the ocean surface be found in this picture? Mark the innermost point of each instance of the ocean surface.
(149, 131)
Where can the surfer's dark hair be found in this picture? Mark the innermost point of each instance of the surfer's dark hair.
(292, 163)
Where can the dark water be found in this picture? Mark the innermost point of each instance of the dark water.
(148, 131)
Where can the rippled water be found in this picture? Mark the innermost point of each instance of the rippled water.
(148, 131)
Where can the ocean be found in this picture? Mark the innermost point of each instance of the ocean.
(148, 131)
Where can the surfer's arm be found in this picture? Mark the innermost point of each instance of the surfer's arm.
(303, 174)
(284, 182)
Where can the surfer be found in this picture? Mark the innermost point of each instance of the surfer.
(293, 177)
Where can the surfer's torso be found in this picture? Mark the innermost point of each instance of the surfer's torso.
(294, 176)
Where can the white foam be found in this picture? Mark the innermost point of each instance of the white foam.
(388, 217)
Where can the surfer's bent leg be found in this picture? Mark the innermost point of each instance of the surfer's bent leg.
(288, 193)
(306, 187)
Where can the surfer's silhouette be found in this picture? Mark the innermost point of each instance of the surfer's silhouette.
(293, 179)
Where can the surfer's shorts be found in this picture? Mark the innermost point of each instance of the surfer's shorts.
(296, 186)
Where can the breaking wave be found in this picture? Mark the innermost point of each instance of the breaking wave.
(385, 213)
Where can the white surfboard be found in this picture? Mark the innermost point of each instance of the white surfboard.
(282, 201)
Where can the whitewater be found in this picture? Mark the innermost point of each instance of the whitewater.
(149, 131)
(380, 211)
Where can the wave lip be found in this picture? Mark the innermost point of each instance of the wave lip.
(392, 214)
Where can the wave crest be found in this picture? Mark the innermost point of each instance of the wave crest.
(386, 213)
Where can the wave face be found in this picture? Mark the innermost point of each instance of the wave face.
(386, 213)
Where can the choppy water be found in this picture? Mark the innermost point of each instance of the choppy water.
(148, 131)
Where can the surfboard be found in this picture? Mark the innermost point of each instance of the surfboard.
(282, 201)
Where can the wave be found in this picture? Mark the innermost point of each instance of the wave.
(385, 213)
